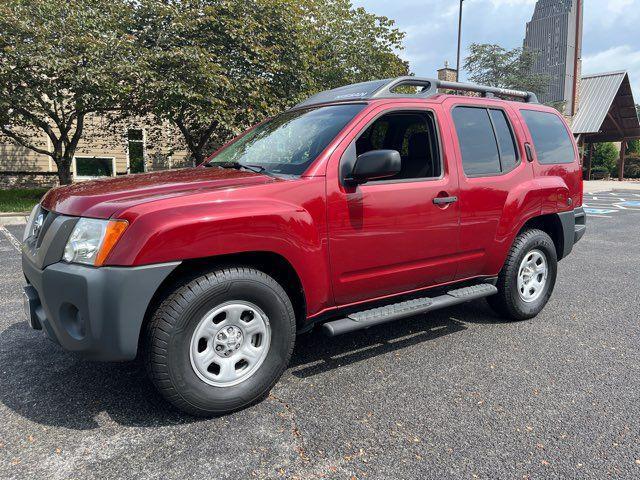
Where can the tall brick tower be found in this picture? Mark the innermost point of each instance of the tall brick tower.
(555, 34)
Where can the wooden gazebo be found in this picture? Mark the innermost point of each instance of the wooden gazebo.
(607, 113)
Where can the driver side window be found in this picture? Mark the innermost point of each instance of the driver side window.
(413, 135)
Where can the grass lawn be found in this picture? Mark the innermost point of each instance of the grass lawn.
(20, 199)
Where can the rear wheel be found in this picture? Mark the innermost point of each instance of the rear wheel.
(220, 341)
(527, 278)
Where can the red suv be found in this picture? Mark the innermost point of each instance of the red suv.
(359, 206)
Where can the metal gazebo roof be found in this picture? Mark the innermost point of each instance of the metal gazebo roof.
(607, 111)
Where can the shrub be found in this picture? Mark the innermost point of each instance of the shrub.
(632, 167)
(605, 155)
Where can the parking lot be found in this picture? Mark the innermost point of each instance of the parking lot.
(455, 394)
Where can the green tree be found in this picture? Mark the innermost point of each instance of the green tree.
(214, 67)
(491, 64)
(59, 62)
(605, 155)
(348, 45)
(633, 147)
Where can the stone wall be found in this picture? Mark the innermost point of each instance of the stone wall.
(27, 180)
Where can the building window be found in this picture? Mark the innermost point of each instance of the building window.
(135, 143)
(90, 167)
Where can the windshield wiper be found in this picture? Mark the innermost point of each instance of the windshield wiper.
(238, 166)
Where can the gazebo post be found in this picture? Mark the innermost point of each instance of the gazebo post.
(589, 159)
(623, 148)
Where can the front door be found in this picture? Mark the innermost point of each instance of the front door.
(389, 236)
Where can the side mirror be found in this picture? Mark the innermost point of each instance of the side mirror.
(374, 165)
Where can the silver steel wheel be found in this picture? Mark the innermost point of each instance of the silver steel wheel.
(230, 343)
(532, 275)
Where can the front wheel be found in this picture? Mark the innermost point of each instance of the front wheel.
(220, 341)
(527, 278)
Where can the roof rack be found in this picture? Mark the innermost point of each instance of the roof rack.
(428, 88)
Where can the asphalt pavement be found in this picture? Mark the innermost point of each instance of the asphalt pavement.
(453, 394)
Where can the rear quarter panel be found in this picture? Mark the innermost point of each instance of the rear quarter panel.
(561, 184)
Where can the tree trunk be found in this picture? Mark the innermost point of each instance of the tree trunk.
(64, 171)
(198, 156)
(623, 148)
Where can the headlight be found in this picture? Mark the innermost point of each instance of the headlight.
(92, 240)
(28, 230)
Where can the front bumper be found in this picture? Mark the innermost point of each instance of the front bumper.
(95, 311)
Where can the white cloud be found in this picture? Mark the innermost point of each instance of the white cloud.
(510, 3)
(601, 16)
(622, 57)
(617, 6)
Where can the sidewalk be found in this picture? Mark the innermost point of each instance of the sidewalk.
(13, 218)
(595, 186)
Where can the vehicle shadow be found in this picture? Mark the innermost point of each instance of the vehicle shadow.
(315, 354)
(49, 386)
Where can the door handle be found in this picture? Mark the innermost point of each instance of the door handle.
(444, 200)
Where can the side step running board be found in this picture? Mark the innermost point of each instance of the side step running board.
(408, 308)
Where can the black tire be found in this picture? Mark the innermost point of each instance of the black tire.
(508, 302)
(167, 340)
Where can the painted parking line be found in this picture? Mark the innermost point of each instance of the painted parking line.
(631, 203)
(12, 240)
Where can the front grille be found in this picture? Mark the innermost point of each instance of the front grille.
(46, 245)
(48, 218)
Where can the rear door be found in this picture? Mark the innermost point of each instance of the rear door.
(489, 149)
(388, 236)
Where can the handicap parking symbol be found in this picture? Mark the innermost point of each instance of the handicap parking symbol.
(599, 211)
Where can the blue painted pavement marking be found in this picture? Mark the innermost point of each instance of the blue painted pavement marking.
(599, 211)
(631, 203)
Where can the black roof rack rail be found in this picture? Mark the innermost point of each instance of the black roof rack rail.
(429, 87)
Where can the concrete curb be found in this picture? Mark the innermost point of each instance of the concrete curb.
(597, 186)
(13, 218)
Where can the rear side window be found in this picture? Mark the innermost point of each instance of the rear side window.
(486, 141)
(550, 137)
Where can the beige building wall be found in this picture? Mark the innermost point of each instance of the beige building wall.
(162, 144)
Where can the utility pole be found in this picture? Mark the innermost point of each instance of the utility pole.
(577, 57)
(459, 39)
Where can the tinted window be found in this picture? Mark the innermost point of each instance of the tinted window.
(506, 143)
(477, 141)
(288, 143)
(413, 135)
(550, 138)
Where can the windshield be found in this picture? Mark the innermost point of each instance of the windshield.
(289, 143)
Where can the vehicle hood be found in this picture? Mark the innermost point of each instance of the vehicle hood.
(104, 198)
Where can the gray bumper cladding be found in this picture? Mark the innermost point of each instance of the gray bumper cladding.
(95, 311)
(574, 226)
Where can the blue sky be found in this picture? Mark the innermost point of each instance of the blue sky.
(611, 38)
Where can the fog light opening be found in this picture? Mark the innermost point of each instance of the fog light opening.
(72, 320)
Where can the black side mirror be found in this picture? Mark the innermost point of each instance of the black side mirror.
(374, 165)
